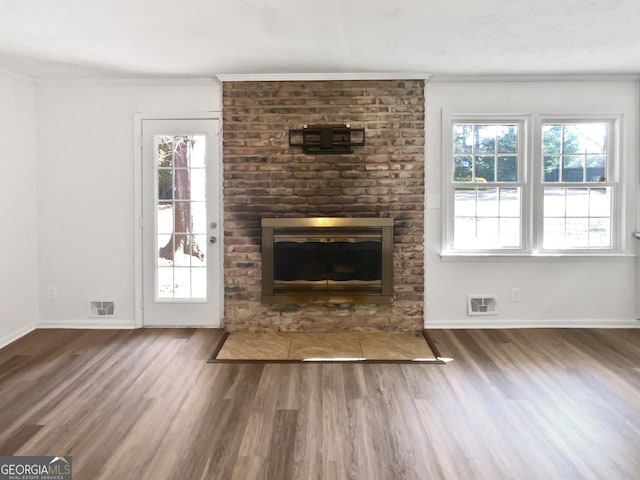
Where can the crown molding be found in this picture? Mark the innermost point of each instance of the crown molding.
(126, 82)
(22, 77)
(464, 78)
(288, 77)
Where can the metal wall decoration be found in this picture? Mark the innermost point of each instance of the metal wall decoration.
(326, 139)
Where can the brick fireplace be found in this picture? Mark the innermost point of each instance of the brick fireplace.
(265, 178)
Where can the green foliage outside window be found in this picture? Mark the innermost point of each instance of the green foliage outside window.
(485, 153)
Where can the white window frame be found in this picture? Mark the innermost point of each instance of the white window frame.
(530, 180)
(612, 180)
(449, 185)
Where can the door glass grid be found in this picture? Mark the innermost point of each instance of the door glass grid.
(181, 217)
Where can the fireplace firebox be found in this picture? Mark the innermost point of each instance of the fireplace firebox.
(327, 259)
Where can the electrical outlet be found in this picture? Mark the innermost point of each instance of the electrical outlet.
(515, 294)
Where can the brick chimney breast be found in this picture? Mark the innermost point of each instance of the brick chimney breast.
(264, 177)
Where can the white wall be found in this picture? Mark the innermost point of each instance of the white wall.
(86, 189)
(18, 215)
(82, 225)
(554, 291)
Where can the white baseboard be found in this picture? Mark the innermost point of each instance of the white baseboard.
(181, 326)
(481, 323)
(90, 323)
(15, 335)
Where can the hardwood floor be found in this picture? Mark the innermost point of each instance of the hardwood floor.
(144, 404)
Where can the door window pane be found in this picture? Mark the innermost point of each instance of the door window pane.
(198, 183)
(181, 217)
(199, 282)
(182, 281)
(165, 282)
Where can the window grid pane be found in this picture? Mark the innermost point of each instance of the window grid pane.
(576, 213)
(487, 217)
(577, 217)
(487, 214)
(485, 153)
(489, 190)
(575, 152)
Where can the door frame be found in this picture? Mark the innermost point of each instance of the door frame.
(138, 119)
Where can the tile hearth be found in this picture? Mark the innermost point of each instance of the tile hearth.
(355, 346)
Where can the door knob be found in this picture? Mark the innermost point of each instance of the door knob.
(212, 239)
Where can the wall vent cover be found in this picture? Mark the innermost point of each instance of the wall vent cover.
(482, 305)
(102, 308)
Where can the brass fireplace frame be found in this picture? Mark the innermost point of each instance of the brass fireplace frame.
(325, 228)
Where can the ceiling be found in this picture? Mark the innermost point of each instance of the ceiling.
(202, 38)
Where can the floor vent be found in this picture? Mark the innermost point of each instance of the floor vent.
(482, 305)
(102, 308)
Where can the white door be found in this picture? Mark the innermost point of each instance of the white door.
(181, 271)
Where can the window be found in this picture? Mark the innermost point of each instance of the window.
(507, 194)
(487, 185)
(577, 190)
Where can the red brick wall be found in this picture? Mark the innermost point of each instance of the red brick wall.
(264, 177)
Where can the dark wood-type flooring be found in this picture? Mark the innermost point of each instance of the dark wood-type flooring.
(145, 404)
